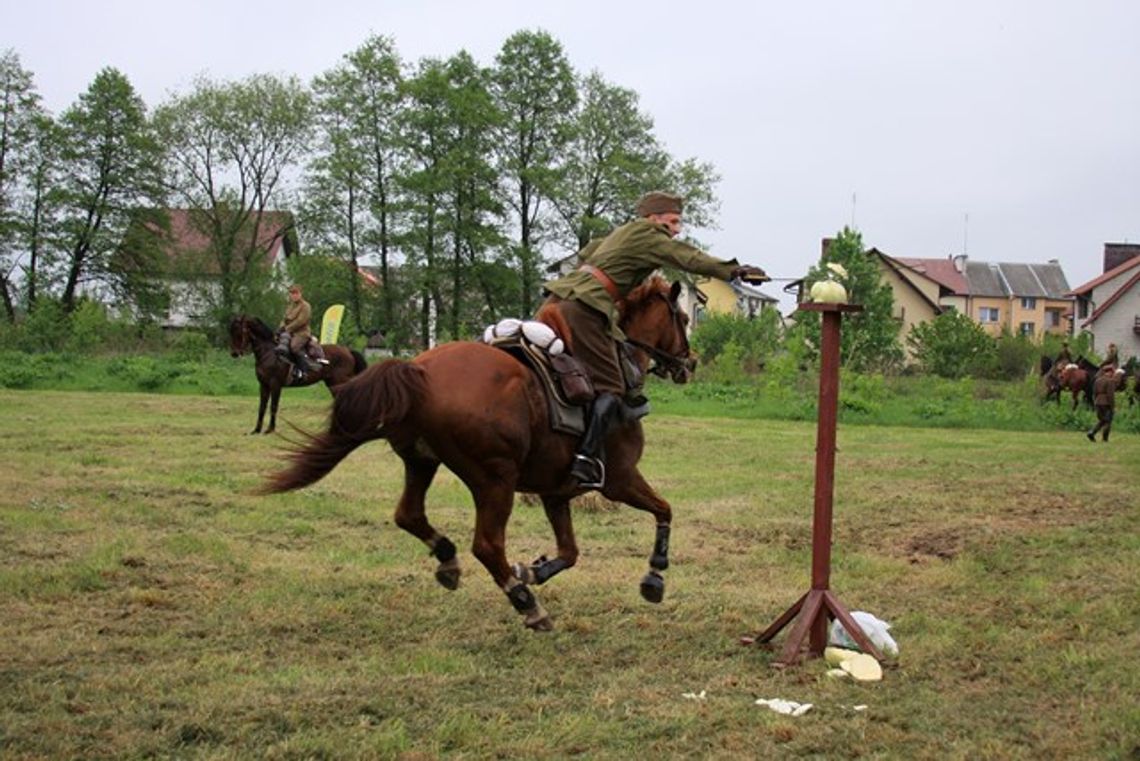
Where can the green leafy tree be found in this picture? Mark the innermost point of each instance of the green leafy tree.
(19, 112)
(449, 193)
(350, 203)
(229, 147)
(951, 346)
(36, 231)
(696, 182)
(472, 208)
(111, 166)
(426, 131)
(611, 161)
(534, 88)
(869, 339)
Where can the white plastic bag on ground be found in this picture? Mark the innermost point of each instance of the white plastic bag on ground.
(786, 707)
(875, 629)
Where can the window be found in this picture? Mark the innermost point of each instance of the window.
(949, 309)
(1053, 318)
(988, 314)
(1028, 302)
(1025, 329)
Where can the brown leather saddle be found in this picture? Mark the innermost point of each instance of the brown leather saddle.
(568, 388)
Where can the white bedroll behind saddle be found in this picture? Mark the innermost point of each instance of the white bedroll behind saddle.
(511, 330)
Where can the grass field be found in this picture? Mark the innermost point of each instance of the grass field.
(150, 607)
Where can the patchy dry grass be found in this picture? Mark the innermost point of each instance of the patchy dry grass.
(152, 608)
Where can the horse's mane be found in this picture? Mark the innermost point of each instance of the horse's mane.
(259, 328)
(654, 286)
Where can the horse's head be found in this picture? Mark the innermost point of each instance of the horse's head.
(239, 336)
(657, 326)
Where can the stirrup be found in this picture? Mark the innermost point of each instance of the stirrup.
(589, 472)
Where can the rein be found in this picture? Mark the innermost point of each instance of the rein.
(666, 364)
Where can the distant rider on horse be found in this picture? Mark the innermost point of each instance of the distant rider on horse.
(295, 335)
(590, 300)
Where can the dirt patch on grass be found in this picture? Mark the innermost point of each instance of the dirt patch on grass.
(936, 544)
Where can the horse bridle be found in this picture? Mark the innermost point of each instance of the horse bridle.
(244, 344)
(664, 363)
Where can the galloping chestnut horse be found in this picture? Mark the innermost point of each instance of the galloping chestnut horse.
(483, 414)
(273, 373)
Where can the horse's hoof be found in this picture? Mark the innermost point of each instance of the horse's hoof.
(653, 587)
(448, 577)
(544, 624)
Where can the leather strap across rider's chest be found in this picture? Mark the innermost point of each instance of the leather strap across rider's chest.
(606, 281)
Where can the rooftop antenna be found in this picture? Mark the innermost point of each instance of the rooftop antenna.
(966, 234)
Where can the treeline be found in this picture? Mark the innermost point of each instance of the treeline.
(458, 182)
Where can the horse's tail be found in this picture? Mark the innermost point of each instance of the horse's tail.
(365, 408)
(358, 362)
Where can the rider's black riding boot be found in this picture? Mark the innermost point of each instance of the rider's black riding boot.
(306, 363)
(588, 469)
(282, 347)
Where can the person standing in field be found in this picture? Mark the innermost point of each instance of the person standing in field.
(1104, 400)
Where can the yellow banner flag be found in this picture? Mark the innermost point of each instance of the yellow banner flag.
(330, 323)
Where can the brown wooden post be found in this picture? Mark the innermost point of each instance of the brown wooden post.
(818, 606)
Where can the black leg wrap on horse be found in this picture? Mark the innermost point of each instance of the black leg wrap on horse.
(547, 568)
(443, 550)
(522, 599)
(660, 558)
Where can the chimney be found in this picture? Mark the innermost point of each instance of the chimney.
(1116, 254)
(959, 262)
(824, 245)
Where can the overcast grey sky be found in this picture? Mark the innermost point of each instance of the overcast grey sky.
(904, 117)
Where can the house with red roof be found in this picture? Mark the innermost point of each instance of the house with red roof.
(189, 265)
(1108, 306)
(1025, 299)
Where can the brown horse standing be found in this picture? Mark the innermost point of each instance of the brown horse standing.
(1076, 378)
(274, 373)
(483, 414)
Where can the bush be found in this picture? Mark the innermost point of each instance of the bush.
(952, 346)
(755, 339)
(190, 346)
(1015, 356)
(46, 327)
(728, 367)
(88, 328)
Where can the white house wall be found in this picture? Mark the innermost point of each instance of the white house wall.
(190, 303)
(1116, 324)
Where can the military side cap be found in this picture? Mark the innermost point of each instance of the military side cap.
(657, 202)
